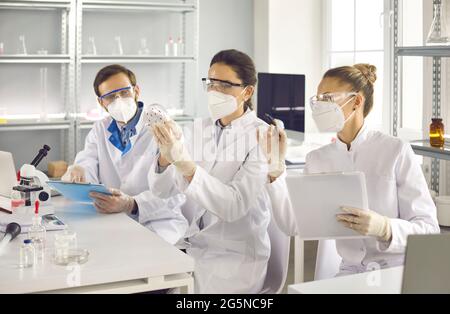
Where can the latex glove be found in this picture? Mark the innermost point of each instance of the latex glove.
(171, 145)
(368, 223)
(274, 146)
(116, 203)
(75, 174)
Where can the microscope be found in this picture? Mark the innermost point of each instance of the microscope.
(32, 184)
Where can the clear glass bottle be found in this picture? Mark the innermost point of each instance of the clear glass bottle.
(170, 47)
(27, 254)
(37, 234)
(92, 48)
(437, 133)
(118, 48)
(180, 47)
(22, 46)
(438, 31)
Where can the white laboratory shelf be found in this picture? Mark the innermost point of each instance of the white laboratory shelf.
(26, 59)
(32, 125)
(88, 124)
(423, 148)
(423, 51)
(135, 59)
(35, 4)
(137, 6)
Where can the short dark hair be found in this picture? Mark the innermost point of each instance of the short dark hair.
(111, 70)
(242, 64)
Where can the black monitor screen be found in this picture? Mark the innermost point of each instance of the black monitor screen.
(283, 97)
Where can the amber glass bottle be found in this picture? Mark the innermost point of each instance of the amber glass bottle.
(437, 133)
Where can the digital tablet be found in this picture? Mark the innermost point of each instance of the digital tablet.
(317, 199)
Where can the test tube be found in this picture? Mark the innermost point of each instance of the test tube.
(119, 45)
(23, 47)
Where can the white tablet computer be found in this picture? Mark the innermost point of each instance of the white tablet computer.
(317, 198)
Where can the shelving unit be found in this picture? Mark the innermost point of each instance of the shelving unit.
(431, 51)
(423, 148)
(41, 59)
(71, 58)
(141, 8)
(66, 60)
(136, 59)
(34, 126)
(420, 147)
(36, 4)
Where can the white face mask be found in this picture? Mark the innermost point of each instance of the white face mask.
(221, 105)
(329, 116)
(122, 109)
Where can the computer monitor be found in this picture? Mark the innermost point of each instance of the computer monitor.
(283, 97)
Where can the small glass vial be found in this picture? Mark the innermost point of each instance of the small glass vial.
(37, 234)
(170, 48)
(180, 47)
(27, 254)
(437, 133)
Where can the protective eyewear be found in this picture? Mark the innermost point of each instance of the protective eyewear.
(219, 85)
(337, 98)
(125, 92)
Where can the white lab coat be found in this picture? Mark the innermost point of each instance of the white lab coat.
(227, 207)
(396, 188)
(104, 163)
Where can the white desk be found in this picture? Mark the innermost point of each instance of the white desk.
(125, 257)
(386, 281)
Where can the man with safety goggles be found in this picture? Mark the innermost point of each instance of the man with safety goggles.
(118, 153)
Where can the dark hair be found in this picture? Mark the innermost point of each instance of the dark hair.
(361, 77)
(111, 70)
(242, 64)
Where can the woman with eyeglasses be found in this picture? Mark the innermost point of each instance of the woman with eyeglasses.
(222, 175)
(399, 200)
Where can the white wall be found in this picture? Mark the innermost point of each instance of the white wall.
(223, 25)
(291, 30)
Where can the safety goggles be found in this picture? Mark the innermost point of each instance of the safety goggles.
(337, 98)
(125, 92)
(219, 85)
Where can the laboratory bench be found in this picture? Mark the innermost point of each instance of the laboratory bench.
(124, 257)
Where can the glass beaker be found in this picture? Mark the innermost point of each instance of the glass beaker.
(65, 242)
(143, 50)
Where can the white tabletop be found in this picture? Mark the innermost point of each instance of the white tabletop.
(120, 249)
(386, 281)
